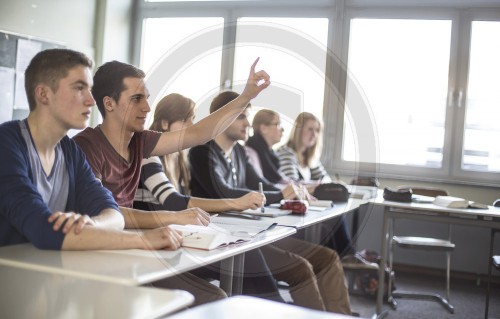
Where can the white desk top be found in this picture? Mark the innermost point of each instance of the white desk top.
(129, 267)
(296, 220)
(244, 307)
(469, 213)
(33, 294)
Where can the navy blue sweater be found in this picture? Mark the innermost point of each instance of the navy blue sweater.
(23, 214)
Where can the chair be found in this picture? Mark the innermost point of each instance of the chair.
(493, 261)
(423, 243)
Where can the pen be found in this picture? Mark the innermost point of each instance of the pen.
(261, 190)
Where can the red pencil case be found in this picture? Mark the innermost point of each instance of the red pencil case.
(295, 205)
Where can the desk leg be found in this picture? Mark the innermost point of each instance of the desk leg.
(238, 273)
(313, 233)
(226, 275)
(381, 271)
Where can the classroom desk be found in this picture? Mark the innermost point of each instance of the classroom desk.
(244, 307)
(34, 294)
(489, 218)
(131, 267)
(309, 220)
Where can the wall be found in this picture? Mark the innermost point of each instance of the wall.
(69, 22)
(101, 29)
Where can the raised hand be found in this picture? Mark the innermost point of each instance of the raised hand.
(256, 83)
(161, 238)
(70, 221)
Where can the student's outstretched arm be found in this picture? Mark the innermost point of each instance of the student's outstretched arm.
(217, 122)
(140, 219)
(92, 238)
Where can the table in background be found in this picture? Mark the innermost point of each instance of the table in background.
(244, 307)
(34, 294)
(489, 218)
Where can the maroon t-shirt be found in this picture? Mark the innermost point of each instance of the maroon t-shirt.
(117, 174)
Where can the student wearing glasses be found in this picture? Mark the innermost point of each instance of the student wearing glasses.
(220, 169)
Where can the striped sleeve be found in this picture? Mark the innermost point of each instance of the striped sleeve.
(157, 188)
(318, 172)
(288, 163)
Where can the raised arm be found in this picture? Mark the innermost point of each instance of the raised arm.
(217, 122)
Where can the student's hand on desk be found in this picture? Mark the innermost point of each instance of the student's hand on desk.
(71, 221)
(192, 216)
(296, 191)
(256, 83)
(161, 238)
(252, 200)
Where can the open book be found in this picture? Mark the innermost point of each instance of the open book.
(213, 236)
(207, 237)
(457, 202)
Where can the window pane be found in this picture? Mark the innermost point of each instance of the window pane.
(481, 151)
(401, 66)
(197, 78)
(289, 71)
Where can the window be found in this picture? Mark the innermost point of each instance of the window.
(407, 103)
(432, 96)
(481, 151)
(196, 76)
(301, 83)
(428, 75)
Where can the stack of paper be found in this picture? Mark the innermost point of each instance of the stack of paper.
(457, 202)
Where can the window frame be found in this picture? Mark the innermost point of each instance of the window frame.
(451, 170)
(339, 13)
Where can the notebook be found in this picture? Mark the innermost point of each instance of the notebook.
(268, 212)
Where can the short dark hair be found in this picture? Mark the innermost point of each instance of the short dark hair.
(49, 67)
(108, 81)
(222, 99)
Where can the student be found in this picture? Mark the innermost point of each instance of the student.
(299, 161)
(156, 192)
(267, 131)
(48, 193)
(220, 168)
(164, 183)
(115, 148)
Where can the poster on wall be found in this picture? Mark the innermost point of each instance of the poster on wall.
(26, 50)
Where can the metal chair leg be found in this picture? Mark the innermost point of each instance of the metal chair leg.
(490, 265)
(390, 298)
(448, 266)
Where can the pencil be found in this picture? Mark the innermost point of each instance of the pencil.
(261, 190)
